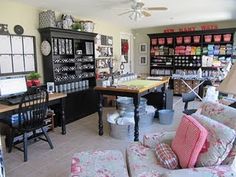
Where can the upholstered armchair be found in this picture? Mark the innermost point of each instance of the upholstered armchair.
(142, 161)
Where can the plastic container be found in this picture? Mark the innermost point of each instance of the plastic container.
(166, 116)
(161, 41)
(169, 40)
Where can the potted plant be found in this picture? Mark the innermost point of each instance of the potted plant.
(33, 79)
(77, 26)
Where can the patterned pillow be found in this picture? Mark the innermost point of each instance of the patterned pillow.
(166, 156)
(188, 142)
(218, 144)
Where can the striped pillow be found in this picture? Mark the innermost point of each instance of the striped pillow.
(166, 156)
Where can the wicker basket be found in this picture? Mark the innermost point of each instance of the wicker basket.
(47, 19)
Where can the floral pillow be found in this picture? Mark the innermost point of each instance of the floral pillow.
(166, 156)
(218, 144)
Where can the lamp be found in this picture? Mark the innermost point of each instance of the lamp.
(122, 61)
(228, 85)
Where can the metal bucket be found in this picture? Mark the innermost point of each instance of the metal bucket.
(166, 116)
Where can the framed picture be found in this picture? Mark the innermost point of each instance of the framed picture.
(143, 48)
(143, 60)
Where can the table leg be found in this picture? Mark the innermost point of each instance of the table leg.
(100, 110)
(136, 117)
(163, 96)
(63, 119)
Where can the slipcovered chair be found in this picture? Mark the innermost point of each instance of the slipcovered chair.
(142, 159)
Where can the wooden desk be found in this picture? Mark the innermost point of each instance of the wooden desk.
(134, 89)
(55, 98)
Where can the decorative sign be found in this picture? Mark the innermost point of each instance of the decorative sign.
(191, 28)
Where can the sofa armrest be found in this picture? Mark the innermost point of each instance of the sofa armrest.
(213, 171)
(151, 140)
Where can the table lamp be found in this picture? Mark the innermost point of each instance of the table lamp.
(228, 85)
(122, 61)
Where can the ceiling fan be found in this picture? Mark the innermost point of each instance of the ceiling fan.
(137, 10)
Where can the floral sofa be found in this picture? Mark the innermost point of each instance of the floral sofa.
(142, 161)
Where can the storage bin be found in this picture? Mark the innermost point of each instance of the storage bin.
(179, 40)
(227, 37)
(154, 41)
(47, 19)
(196, 39)
(166, 116)
(161, 41)
(187, 39)
(217, 38)
(208, 38)
(169, 40)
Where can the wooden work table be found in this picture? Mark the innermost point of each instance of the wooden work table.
(135, 89)
(55, 98)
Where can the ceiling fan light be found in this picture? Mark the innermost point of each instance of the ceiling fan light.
(132, 16)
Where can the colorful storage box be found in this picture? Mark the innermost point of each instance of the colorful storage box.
(227, 37)
(187, 39)
(217, 38)
(179, 40)
(196, 39)
(169, 40)
(208, 38)
(161, 41)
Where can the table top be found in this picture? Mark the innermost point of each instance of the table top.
(133, 86)
(54, 96)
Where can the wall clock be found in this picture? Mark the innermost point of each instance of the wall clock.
(18, 29)
(45, 48)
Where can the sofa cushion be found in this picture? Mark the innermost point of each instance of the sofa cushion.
(227, 116)
(218, 144)
(189, 140)
(98, 163)
(142, 161)
(166, 156)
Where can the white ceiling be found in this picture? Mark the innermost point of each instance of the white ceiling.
(179, 11)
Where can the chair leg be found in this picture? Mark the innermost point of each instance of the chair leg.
(11, 140)
(34, 134)
(25, 147)
(47, 137)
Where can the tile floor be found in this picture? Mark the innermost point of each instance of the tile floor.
(81, 136)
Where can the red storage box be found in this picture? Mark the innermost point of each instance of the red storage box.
(208, 38)
(169, 40)
(179, 40)
(227, 37)
(217, 38)
(187, 39)
(196, 39)
(154, 41)
(161, 41)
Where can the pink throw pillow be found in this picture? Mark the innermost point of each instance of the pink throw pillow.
(166, 156)
(188, 142)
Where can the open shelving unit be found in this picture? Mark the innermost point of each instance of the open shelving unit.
(178, 52)
(71, 64)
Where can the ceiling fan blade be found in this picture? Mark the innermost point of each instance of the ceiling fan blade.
(146, 14)
(156, 8)
(125, 12)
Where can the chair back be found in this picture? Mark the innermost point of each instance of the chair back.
(32, 109)
(188, 97)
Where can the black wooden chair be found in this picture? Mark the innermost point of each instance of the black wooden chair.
(188, 97)
(31, 116)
